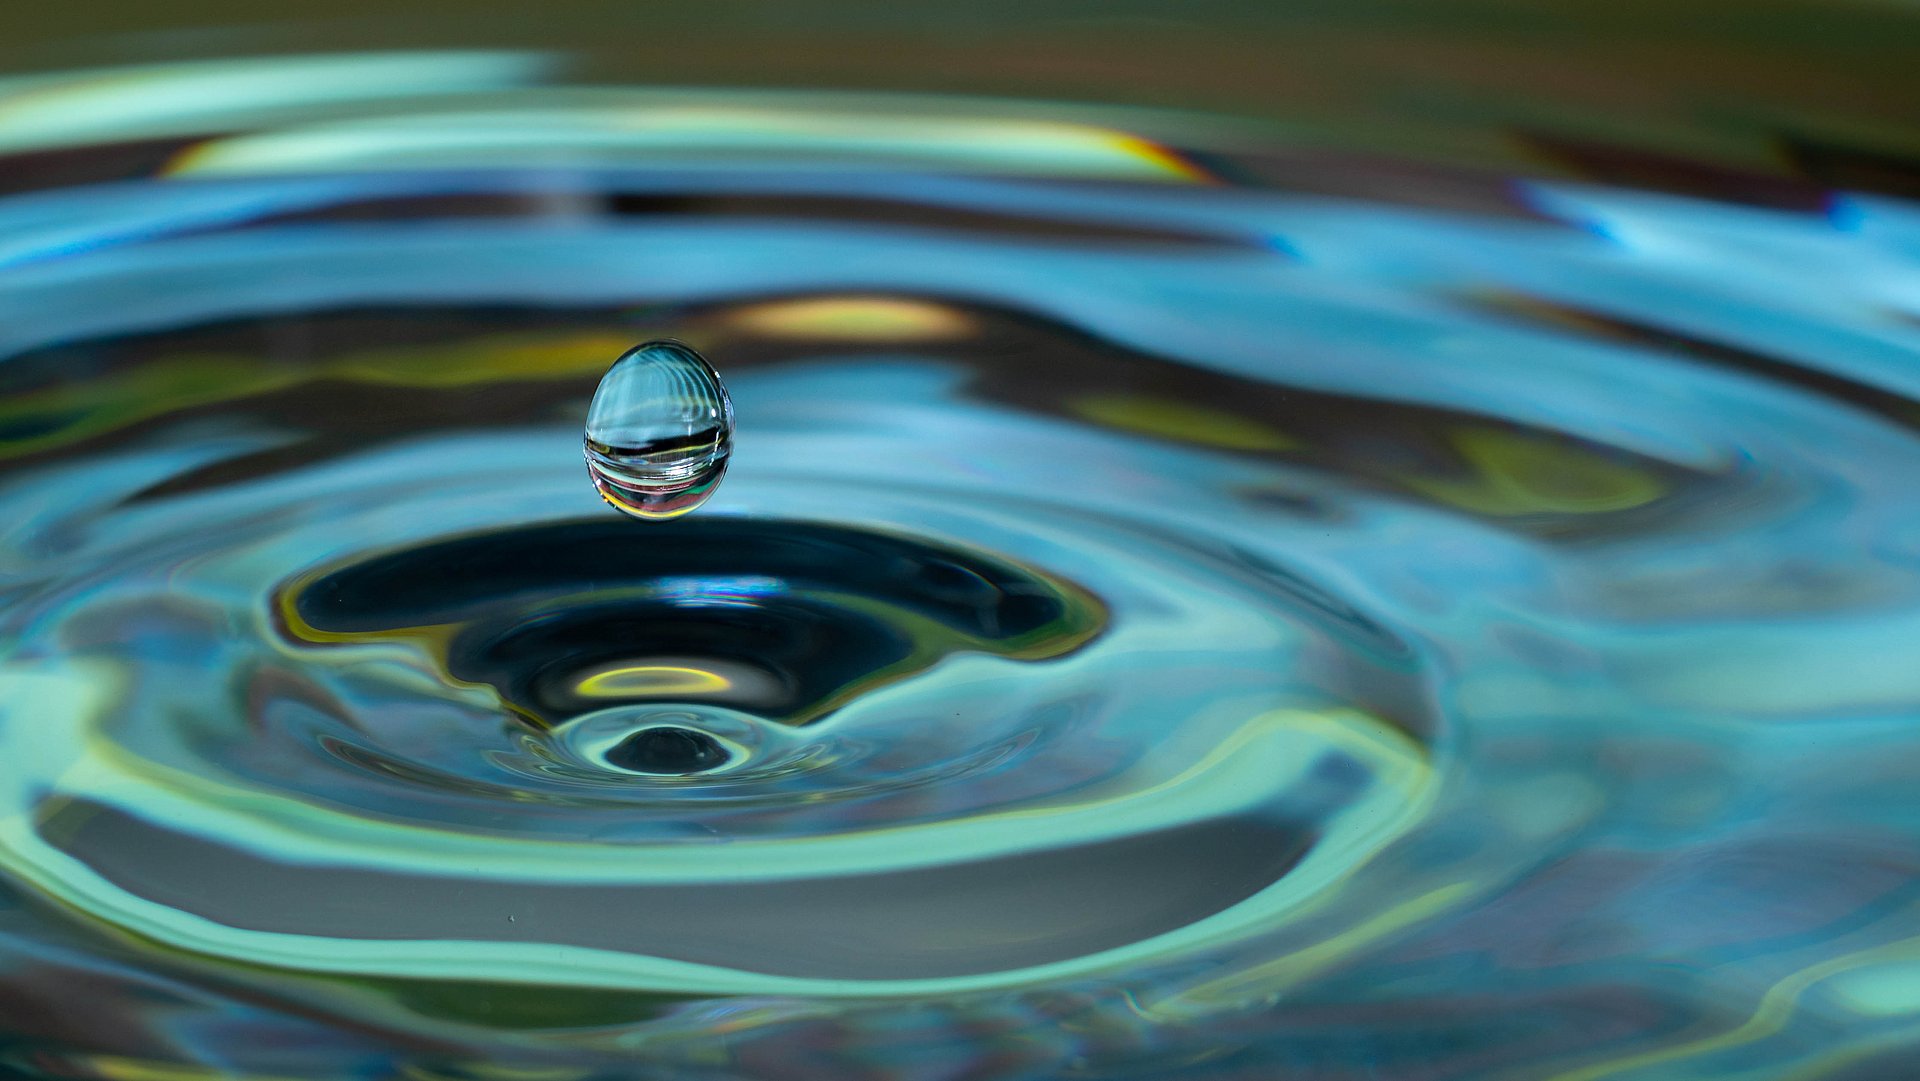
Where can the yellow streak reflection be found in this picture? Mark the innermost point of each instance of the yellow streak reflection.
(643, 127)
(1182, 421)
(651, 679)
(890, 319)
(1770, 1016)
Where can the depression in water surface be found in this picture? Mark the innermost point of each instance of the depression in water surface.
(1175, 620)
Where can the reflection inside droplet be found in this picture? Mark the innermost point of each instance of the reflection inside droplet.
(659, 431)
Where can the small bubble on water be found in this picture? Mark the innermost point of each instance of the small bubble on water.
(668, 750)
(659, 431)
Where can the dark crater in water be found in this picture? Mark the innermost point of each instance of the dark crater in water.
(782, 619)
(668, 750)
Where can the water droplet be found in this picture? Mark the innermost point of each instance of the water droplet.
(659, 431)
(668, 750)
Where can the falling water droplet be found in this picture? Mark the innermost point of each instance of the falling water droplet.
(659, 431)
(668, 750)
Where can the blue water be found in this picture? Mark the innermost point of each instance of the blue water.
(1154, 626)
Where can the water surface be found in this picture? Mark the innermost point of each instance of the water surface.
(1161, 620)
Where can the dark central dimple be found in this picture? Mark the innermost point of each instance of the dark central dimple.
(668, 750)
(785, 620)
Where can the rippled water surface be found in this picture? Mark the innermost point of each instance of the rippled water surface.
(1159, 621)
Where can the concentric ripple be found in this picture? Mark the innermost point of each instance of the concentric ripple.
(1152, 627)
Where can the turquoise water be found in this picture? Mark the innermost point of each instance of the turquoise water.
(1156, 624)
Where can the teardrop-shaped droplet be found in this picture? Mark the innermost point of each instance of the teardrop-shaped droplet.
(659, 431)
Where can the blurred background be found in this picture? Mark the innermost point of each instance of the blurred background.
(1717, 98)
